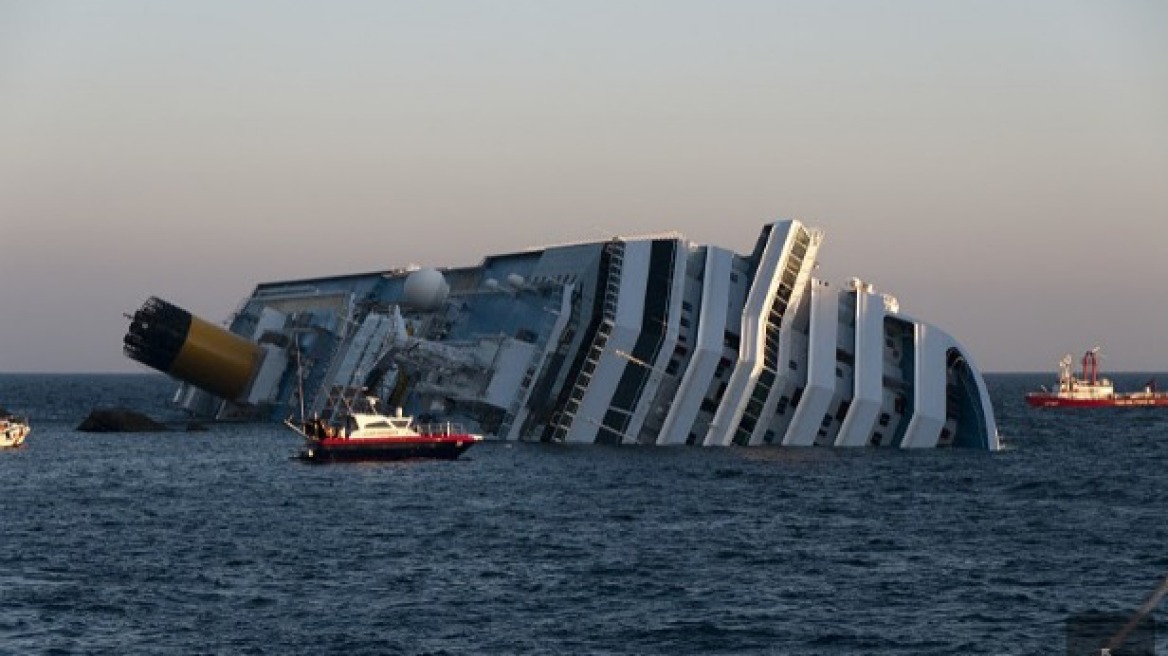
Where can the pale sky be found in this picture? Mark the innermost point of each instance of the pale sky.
(1000, 167)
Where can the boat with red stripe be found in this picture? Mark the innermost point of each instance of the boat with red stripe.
(361, 433)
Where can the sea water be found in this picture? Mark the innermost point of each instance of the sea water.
(219, 542)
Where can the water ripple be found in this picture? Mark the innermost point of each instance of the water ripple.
(217, 542)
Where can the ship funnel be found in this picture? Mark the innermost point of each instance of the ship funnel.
(166, 337)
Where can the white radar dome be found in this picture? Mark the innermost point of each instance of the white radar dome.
(515, 280)
(426, 289)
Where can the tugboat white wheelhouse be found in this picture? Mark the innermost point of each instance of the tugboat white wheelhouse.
(635, 340)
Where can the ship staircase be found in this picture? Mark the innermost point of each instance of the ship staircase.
(525, 386)
(562, 421)
(562, 337)
(773, 326)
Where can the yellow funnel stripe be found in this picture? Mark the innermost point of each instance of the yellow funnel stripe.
(216, 360)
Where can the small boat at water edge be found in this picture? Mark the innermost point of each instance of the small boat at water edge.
(1088, 390)
(13, 430)
(364, 434)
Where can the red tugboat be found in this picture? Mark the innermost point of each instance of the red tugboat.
(1091, 391)
(364, 434)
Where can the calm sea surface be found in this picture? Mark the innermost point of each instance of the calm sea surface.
(219, 542)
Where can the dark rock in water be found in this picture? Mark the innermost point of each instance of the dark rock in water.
(118, 420)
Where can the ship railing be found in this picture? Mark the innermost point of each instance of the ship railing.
(441, 428)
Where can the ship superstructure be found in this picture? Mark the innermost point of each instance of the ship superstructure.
(633, 340)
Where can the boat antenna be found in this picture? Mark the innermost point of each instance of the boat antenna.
(299, 379)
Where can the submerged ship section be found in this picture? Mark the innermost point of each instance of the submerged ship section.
(638, 340)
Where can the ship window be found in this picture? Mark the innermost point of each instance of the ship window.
(685, 305)
(730, 340)
(733, 277)
(793, 365)
(884, 418)
(684, 322)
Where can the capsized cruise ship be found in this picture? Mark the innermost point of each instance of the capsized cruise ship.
(634, 340)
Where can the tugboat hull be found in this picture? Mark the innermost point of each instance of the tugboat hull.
(1137, 400)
